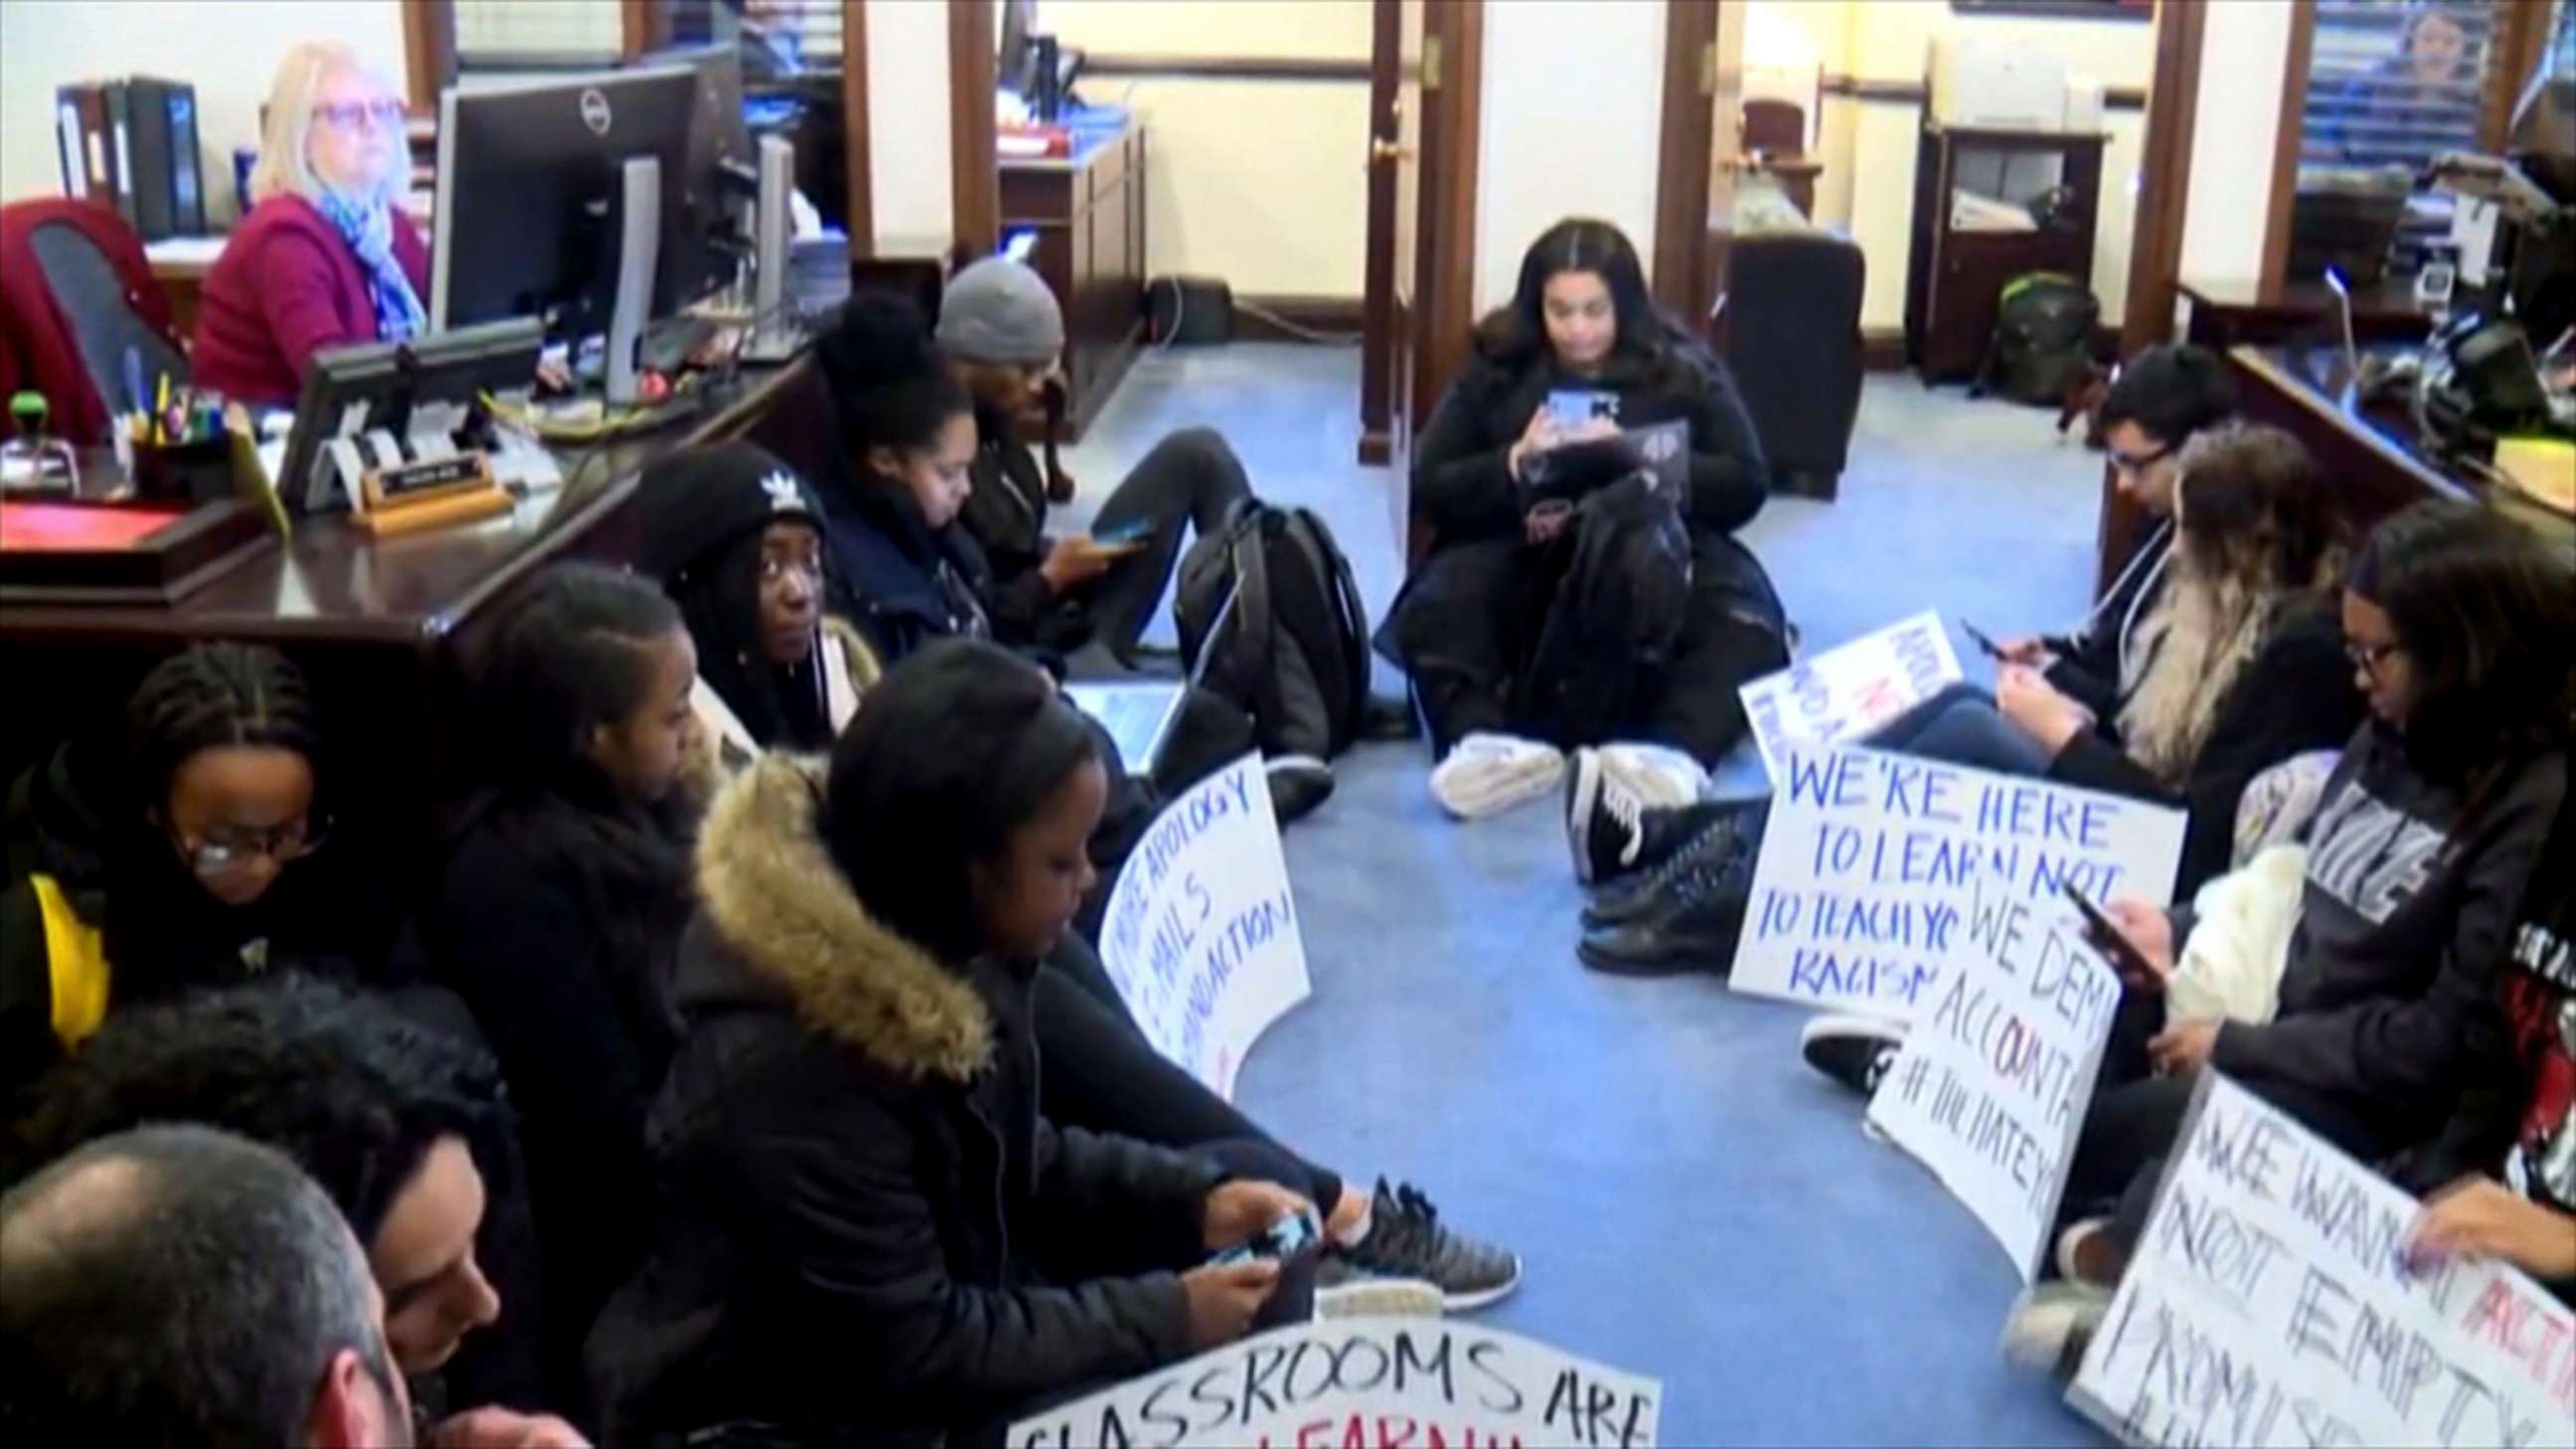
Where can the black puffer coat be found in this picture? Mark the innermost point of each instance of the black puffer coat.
(859, 1202)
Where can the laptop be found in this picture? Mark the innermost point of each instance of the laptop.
(1139, 714)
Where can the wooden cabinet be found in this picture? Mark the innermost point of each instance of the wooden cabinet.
(1955, 272)
(1088, 211)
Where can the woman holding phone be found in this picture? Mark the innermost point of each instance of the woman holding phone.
(1580, 354)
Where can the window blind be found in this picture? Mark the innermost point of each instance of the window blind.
(791, 34)
(519, 32)
(2394, 82)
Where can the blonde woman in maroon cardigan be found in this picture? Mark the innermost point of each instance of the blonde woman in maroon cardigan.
(326, 256)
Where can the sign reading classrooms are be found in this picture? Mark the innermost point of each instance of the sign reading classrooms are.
(1380, 1383)
(1871, 865)
(1201, 932)
(2271, 1302)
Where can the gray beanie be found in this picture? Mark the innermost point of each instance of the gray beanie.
(1000, 311)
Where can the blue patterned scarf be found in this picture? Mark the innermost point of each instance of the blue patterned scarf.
(369, 231)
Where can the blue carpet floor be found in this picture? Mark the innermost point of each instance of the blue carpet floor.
(1691, 1202)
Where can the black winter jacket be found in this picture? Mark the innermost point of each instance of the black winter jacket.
(2389, 993)
(98, 900)
(859, 1202)
(1462, 484)
(2295, 695)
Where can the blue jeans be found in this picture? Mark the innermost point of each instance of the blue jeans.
(1961, 726)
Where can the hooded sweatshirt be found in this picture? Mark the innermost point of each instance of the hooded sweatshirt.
(866, 1232)
(2409, 902)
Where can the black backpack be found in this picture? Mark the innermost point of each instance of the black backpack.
(2043, 338)
(1271, 619)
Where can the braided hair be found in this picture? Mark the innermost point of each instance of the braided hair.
(209, 696)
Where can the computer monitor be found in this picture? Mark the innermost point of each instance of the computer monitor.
(721, 174)
(531, 203)
(377, 386)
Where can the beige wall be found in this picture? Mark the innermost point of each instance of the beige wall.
(1571, 115)
(1260, 183)
(2232, 139)
(908, 181)
(227, 49)
(1868, 147)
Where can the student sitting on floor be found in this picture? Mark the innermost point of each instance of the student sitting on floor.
(2499, 1181)
(562, 903)
(182, 855)
(736, 539)
(1478, 624)
(2462, 628)
(2162, 398)
(404, 1127)
(868, 1230)
(1002, 333)
(2237, 666)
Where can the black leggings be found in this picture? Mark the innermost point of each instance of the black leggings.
(1191, 477)
(1102, 1074)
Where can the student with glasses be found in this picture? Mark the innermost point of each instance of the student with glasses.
(326, 256)
(736, 539)
(190, 853)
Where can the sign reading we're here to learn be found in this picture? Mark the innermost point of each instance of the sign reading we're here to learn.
(1381, 1383)
(1201, 933)
(2271, 1302)
(1871, 866)
(1847, 691)
(1992, 1084)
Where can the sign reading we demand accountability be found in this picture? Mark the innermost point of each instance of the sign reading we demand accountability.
(2271, 1302)
(1873, 863)
(1201, 932)
(1365, 1383)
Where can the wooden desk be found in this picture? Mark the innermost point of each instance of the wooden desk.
(2226, 312)
(374, 624)
(1088, 211)
(2368, 455)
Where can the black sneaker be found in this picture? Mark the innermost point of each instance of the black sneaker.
(1691, 923)
(1671, 842)
(1405, 1240)
(1853, 1050)
(1628, 806)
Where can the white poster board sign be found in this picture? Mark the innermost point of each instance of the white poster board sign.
(1871, 861)
(1383, 1383)
(1990, 1087)
(2271, 1303)
(1850, 689)
(1201, 933)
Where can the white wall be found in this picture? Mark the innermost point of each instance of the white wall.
(1571, 126)
(2232, 138)
(1261, 183)
(228, 49)
(909, 184)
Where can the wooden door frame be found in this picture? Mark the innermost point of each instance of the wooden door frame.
(1383, 313)
(1444, 298)
(974, 164)
(2155, 238)
(429, 51)
(1684, 159)
(2515, 46)
(2289, 134)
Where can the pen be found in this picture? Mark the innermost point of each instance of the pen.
(134, 379)
(160, 407)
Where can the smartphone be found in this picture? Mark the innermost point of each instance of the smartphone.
(1294, 1234)
(1573, 406)
(1133, 531)
(1978, 637)
(2103, 934)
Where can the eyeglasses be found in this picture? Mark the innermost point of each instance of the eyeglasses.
(2141, 462)
(2368, 657)
(348, 116)
(776, 570)
(236, 852)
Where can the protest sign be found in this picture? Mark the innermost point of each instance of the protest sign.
(2271, 1303)
(1990, 1087)
(1381, 1383)
(1870, 861)
(1201, 933)
(1851, 689)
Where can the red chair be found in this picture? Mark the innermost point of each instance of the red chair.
(75, 293)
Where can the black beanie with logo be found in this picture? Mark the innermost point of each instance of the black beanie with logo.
(697, 503)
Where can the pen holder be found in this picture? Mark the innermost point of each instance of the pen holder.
(199, 472)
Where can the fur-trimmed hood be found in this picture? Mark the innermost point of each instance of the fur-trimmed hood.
(780, 907)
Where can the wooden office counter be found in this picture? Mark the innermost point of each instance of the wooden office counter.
(374, 624)
(2367, 456)
(1088, 211)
